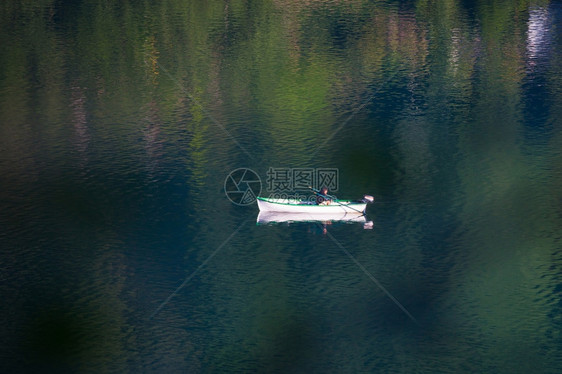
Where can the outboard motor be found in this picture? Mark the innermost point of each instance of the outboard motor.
(368, 199)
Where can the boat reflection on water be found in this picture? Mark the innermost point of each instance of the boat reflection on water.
(265, 218)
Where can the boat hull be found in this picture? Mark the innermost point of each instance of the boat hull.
(296, 206)
(277, 217)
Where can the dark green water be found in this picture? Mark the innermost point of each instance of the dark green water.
(120, 121)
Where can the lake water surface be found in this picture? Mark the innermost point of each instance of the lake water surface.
(121, 250)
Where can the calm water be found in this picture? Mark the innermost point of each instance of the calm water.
(121, 251)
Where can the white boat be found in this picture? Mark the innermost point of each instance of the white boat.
(277, 217)
(266, 204)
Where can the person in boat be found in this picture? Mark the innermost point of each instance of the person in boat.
(321, 198)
